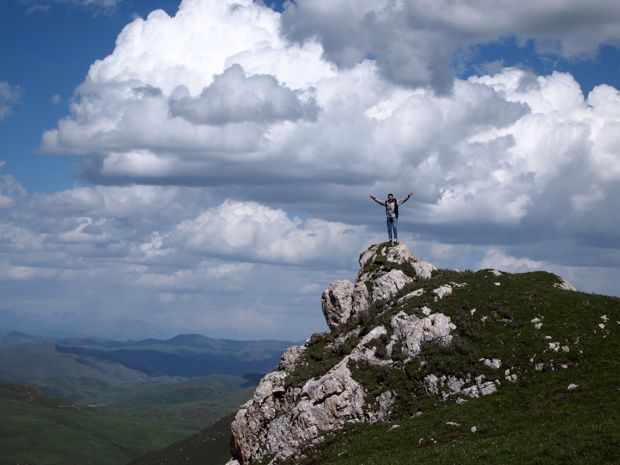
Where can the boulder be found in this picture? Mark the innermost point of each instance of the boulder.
(413, 331)
(290, 357)
(388, 284)
(565, 286)
(337, 303)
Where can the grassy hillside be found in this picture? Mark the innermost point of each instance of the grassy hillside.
(193, 403)
(43, 430)
(535, 420)
(120, 377)
(208, 447)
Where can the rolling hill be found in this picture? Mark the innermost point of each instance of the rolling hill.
(38, 429)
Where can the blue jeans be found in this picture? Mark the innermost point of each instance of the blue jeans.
(392, 224)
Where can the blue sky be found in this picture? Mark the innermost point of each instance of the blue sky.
(211, 171)
(47, 52)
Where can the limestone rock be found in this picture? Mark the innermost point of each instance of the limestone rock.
(494, 363)
(337, 303)
(413, 331)
(290, 357)
(281, 420)
(362, 352)
(361, 298)
(442, 291)
(564, 285)
(400, 254)
(424, 270)
(322, 405)
(411, 295)
(384, 401)
(387, 285)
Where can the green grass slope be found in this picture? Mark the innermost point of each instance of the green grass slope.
(190, 403)
(208, 447)
(535, 420)
(194, 403)
(41, 430)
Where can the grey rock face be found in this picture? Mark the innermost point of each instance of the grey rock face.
(280, 420)
(337, 303)
(344, 299)
(413, 331)
(566, 286)
(290, 356)
(424, 269)
(361, 298)
(400, 254)
(387, 285)
(448, 386)
(443, 291)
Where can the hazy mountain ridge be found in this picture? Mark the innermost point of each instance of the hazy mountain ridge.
(29, 359)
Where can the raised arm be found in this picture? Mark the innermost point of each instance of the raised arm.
(372, 197)
(404, 199)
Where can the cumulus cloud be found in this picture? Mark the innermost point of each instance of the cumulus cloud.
(496, 258)
(227, 102)
(257, 232)
(147, 250)
(10, 95)
(235, 97)
(236, 147)
(414, 42)
(11, 191)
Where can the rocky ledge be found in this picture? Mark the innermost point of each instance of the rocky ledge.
(283, 418)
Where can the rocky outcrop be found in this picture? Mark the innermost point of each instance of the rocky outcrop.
(380, 278)
(565, 286)
(337, 303)
(281, 419)
(413, 331)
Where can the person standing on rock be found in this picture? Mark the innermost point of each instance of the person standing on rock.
(391, 211)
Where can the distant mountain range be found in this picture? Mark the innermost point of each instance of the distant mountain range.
(185, 355)
(152, 378)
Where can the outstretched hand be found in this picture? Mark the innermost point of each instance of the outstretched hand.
(372, 197)
(410, 194)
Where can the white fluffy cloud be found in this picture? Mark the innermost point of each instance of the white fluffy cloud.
(10, 95)
(10, 190)
(137, 252)
(414, 41)
(236, 148)
(261, 233)
(243, 107)
(234, 97)
(216, 96)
